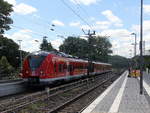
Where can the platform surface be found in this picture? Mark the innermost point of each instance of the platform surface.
(123, 96)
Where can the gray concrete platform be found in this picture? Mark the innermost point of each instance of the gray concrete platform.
(123, 96)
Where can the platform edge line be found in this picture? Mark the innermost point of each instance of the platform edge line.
(100, 98)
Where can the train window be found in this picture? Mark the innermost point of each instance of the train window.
(70, 68)
(67, 68)
(64, 67)
(59, 67)
(55, 67)
(35, 61)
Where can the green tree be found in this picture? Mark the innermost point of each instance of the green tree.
(96, 48)
(119, 62)
(45, 46)
(75, 46)
(10, 49)
(5, 67)
(100, 48)
(5, 20)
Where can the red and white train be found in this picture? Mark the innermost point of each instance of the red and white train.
(47, 67)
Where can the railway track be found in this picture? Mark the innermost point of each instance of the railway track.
(53, 99)
(77, 103)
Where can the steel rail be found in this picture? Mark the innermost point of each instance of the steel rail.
(31, 100)
(55, 110)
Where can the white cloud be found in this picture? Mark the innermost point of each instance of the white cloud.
(118, 24)
(84, 2)
(74, 24)
(122, 49)
(92, 18)
(146, 9)
(115, 47)
(28, 42)
(26, 38)
(112, 18)
(56, 43)
(146, 32)
(119, 34)
(135, 28)
(13, 2)
(146, 27)
(121, 40)
(100, 25)
(85, 27)
(24, 9)
(58, 23)
(26, 31)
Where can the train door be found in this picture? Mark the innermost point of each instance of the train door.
(55, 68)
(91, 67)
(71, 69)
(67, 71)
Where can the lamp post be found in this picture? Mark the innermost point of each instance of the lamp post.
(20, 54)
(134, 44)
(141, 47)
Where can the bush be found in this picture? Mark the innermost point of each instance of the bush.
(5, 68)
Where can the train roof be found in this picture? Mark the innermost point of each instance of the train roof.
(61, 54)
(42, 53)
(102, 63)
(45, 53)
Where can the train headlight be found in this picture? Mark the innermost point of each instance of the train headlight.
(27, 72)
(41, 72)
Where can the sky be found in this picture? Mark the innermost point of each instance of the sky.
(117, 19)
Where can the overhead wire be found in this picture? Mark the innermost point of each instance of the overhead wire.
(37, 23)
(86, 13)
(78, 15)
(47, 23)
(83, 10)
(18, 27)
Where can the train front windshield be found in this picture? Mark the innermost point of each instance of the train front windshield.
(35, 61)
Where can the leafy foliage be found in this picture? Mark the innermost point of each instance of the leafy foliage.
(9, 49)
(96, 48)
(45, 46)
(100, 48)
(5, 67)
(118, 61)
(5, 20)
(75, 46)
(145, 60)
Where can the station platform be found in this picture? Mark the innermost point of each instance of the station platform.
(123, 96)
